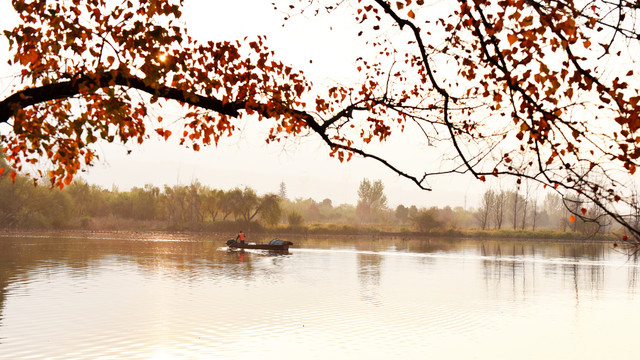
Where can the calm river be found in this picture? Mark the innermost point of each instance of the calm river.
(159, 296)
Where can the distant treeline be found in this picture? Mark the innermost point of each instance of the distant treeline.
(197, 207)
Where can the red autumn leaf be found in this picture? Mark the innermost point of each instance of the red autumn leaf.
(584, 211)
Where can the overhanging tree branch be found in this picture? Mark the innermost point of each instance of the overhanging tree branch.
(88, 83)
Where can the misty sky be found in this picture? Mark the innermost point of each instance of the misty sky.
(245, 159)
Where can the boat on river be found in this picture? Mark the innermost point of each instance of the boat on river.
(273, 245)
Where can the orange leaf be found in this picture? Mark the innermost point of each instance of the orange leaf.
(1, 171)
(411, 14)
(13, 176)
(512, 38)
(572, 219)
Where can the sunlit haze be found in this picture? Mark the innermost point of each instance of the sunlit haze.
(325, 52)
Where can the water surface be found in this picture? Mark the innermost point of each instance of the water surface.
(157, 296)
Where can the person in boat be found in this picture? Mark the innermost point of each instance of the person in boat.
(240, 237)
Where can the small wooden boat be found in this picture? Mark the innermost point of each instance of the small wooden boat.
(273, 245)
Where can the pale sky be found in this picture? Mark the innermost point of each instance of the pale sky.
(245, 159)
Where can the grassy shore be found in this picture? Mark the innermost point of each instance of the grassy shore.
(331, 229)
(443, 233)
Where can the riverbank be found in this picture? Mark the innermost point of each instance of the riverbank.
(225, 230)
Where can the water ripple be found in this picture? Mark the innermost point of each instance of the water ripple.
(621, 261)
(193, 301)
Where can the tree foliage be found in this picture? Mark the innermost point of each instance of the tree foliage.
(402, 214)
(426, 220)
(86, 206)
(371, 200)
(24, 206)
(294, 218)
(270, 209)
(545, 91)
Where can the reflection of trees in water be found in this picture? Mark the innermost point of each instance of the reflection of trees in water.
(22, 257)
(507, 266)
(581, 264)
(369, 266)
(633, 271)
(433, 245)
(587, 276)
(5, 274)
(511, 262)
(192, 259)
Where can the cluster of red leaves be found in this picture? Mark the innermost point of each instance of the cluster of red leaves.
(93, 54)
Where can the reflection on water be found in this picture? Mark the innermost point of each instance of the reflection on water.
(184, 296)
(369, 277)
(581, 266)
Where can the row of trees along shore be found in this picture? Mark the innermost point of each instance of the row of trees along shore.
(201, 208)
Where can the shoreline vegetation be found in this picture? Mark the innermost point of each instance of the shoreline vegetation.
(197, 208)
(224, 230)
